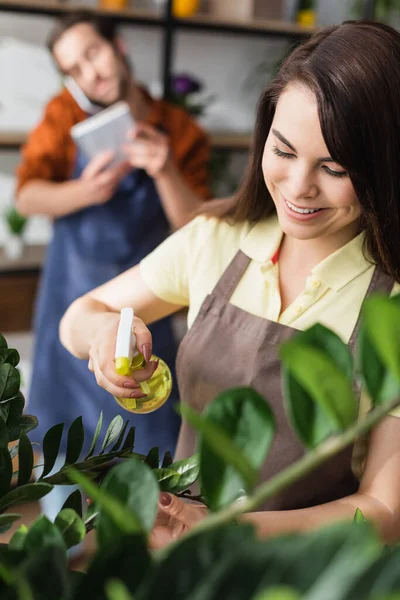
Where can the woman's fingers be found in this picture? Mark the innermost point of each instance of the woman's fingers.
(143, 338)
(174, 518)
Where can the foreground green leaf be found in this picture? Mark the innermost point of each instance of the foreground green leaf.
(133, 484)
(382, 324)
(125, 520)
(325, 384)
(126, 559)
(236, 429)
(70, 526)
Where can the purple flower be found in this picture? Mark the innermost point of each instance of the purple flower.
(184, 84)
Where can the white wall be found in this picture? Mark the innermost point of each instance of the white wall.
(223, 62)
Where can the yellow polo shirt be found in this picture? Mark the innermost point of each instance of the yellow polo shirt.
(185, 268)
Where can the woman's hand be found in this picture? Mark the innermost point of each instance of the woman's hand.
(174, 518)
(102, 358)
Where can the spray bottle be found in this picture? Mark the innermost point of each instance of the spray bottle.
(128, 359)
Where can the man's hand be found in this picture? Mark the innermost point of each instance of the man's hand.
(174, 518)
(149, 150)
(102, 179)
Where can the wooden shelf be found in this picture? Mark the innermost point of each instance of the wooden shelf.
(53, 8)
(207, 21)
(231, 141)
(12, 139)
(147, 17)
(223, 140)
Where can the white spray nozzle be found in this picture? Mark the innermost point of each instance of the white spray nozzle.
(125, 348)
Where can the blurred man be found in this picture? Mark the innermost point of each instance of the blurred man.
(106, 217)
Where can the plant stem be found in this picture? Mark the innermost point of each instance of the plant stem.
(291, 474)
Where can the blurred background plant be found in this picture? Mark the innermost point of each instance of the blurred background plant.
(187, 92)
(15, 221)
(387, 11)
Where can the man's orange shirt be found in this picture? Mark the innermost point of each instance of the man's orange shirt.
(50, 152)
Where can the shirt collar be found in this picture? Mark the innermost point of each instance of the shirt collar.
(338, 269)
(344, 265)
(263, 240)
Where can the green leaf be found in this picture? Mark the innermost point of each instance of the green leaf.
(9, 381)
(221, 445)
(120, 438)
(25, 459)
(153, 458)
(51, 446)
(10, 356)
(27, 493)
(96, 436)
(3, 434)
(381, 385)
(125, 520)
(5, 472)
(358, 517)
(7, 520)
(41, 534)
(129, 440)
(323, 382)
(382, 324)
(74, 501)
(18, 539)
(278, 593)
(167, 460)
(74, 441)
(3, 342)
(167, 479)
(5, 410)
(126, 559)
(25, 423)
(179, 475)
(331, 344)
(133, 484)
(116, 590)
(237, 431)
(71, 527)
(93, 463)
(46, 573)
(113, 431)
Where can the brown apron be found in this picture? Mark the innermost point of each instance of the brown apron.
(229, 347)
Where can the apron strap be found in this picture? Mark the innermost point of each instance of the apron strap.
(230, 278)
(380, 282)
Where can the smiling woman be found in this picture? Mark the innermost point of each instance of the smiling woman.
(313, 231)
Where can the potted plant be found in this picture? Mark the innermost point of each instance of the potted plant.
(220, 559)
(16, 225)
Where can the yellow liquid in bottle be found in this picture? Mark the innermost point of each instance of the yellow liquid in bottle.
(158, 388)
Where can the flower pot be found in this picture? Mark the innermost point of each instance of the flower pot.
(185, 8)
(14, 246)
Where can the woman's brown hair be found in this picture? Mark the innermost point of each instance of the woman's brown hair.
(354, 71)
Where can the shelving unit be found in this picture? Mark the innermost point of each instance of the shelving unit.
(220, 140)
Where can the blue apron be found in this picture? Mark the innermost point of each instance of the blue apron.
(90, 247)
